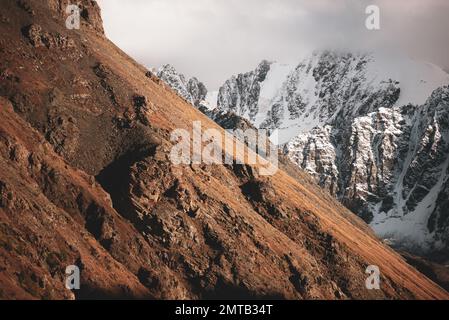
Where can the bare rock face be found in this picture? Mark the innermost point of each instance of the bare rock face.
(391, 165)
(228, 119)
(197, 91)
(39, 38)
(240, 94)
(192, 90)
(317, 156)
(85, 180)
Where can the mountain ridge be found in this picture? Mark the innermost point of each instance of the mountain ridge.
(321, 109)
(86, 180)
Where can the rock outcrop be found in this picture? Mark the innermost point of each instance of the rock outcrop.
(192, 90)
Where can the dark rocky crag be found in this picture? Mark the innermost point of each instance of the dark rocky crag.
(192, 90)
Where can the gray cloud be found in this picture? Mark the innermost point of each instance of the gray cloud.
(213, 39)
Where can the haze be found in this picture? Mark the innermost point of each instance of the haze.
(214, 39)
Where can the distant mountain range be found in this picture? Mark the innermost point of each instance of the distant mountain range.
(372, 128)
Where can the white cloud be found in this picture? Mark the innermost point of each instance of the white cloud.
(213, 39)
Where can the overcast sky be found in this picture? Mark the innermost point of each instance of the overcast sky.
(214, 39)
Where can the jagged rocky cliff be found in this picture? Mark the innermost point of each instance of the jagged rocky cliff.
(390, 166)
(192, 90)
(371, 129)
(195, 92)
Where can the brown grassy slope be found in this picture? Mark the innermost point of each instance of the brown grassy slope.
(168, 231)
(38, 238)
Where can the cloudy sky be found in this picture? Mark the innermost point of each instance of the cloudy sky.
(214, 39)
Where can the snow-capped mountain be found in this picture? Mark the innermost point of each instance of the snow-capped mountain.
(325, 87)
(195, 92)
(371, 128)
(191, 90)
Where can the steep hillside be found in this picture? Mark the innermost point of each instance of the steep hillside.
(85, 179)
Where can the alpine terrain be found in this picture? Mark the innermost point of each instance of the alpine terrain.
(86, 178)
(371, 128)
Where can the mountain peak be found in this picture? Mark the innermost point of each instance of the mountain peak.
(191, 90)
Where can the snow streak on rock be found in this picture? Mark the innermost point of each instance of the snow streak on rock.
(191, 90)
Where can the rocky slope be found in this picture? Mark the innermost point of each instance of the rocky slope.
(85, 179)
(371, 129)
